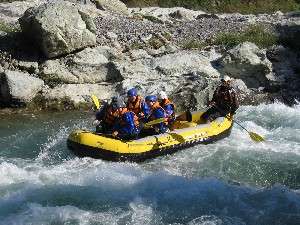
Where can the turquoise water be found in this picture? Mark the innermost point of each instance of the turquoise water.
(233, 181)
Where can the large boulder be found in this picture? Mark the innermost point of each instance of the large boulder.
(10, 12)
(249, 63)
(188, 77)
(111, 5)
(17, 87)
(78, 93)
(181, 63)
(166, 14)
(58, 28)
(88, 66)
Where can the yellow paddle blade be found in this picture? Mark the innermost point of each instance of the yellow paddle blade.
(256, 137)
(95, 101)
(153, 122)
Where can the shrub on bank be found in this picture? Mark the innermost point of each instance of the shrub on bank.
(215, 6)
(255, 34)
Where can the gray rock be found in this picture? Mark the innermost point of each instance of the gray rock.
(59, 28)
(79, 93)
(88, 66)
(139, 54)
(17, 87)
(185, 63)
(112, 5)
(10, 12)
(30, 67)
(188, 77)
(249, 63)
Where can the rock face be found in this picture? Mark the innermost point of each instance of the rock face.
(59, 28)
(18, 88)
(249, 63)
(186, 76)
(88, 66)
(79, 93)
(112, 5)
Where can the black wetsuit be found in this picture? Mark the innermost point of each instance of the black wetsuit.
(225, 101)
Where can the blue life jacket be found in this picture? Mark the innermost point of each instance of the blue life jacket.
(157, 114)
(126, 127)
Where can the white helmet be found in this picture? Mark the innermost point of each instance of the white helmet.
(162, 95)
(226, 78)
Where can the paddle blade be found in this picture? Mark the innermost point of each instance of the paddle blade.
(256, 137)
(95, 101)
(153, 122)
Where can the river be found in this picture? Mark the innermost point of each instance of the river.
(233, 181)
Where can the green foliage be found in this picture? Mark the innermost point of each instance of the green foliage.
(255, 34)
(8, 28)
(153, 19)
(193, 44)
(242, 6)
(136, 45)
(155, 42)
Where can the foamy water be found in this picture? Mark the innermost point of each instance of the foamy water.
(233, 181)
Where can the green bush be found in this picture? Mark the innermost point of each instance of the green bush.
(255, 34)
(242, 6)
(7, 28)
(193, 44)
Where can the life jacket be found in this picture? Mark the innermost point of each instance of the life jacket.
(125, 118)
(155, 107)
(112, 115)
(136, 105)
(167, 104)
(225, 97)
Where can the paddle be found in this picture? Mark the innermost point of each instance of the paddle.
(254, 136)
(153, 122)
(95, 101)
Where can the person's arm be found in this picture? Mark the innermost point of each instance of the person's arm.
(215, 97)
(234, 101)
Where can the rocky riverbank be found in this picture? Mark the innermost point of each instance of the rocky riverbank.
(55, 55)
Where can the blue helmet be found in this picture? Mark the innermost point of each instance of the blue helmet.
(132, 92)
(151, 98)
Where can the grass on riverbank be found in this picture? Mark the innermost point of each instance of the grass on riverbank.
(8, 28)
(219, 6)
(255, 34)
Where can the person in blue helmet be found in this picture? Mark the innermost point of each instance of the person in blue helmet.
(136, 104)
(127, 127)
(156, 112)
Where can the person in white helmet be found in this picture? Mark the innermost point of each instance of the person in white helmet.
(168, 106)
(224, 101)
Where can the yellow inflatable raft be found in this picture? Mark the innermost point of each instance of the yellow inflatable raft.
(185, 134)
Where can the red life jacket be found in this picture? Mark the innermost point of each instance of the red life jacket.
(112, 115)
